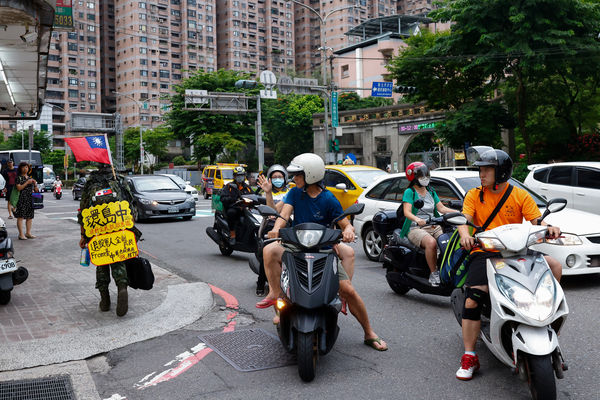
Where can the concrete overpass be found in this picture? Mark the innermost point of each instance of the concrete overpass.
(377, 136)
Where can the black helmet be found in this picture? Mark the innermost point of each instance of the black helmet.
(501, 162)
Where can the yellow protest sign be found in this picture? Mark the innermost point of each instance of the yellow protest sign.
(108, 217)
(112, 247)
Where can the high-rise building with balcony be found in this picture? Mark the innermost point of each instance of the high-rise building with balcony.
(311, 33)
(255, 35)
(415, 7)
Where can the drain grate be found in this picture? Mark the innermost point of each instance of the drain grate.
(49, 388)
(249, 349)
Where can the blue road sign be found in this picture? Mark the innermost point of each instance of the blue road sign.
(382, 89)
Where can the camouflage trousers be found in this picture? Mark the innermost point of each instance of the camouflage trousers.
(119, 274)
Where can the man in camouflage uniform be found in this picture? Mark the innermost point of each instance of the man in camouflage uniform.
(102, 179)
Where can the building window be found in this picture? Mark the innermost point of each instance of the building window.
(73, 93)
(91, 85)
(164, 73)
(91, 96)
(73, 81)
(345, 71)
(142, 5)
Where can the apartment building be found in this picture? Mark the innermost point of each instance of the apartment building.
(255, 35)
(415, 7)
(311, 32)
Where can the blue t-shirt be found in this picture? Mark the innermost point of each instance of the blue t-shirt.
(322, 209)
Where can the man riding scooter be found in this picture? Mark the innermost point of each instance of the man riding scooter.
(231, 193)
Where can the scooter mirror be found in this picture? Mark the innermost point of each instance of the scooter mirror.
(419, 203)
(455, 218)
(554, 205)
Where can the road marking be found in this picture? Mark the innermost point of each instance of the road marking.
(188, 359)
(204, 213)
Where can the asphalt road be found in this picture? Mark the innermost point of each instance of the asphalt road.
(422, 334)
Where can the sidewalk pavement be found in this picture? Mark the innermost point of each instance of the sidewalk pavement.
(53, 317)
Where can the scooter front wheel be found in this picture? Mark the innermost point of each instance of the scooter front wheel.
(540, 377)
(307, 352)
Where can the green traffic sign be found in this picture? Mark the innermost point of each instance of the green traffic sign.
(334, 110)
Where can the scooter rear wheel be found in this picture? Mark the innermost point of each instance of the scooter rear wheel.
(307, 352)
(540, 374)
(4, 297)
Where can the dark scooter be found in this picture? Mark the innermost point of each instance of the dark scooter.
(10, 273)
(245, 231)
(405, 263)
(308, 311)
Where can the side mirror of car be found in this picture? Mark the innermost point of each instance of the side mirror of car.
(341, 186)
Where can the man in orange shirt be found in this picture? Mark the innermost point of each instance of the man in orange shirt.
(495, 168)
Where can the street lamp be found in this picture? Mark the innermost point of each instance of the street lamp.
(323, 48)
(141, 128)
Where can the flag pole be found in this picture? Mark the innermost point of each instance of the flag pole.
(110, 156)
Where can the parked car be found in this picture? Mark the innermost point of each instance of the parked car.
(347, 182)
(579, 255)
(157, 196)
(78, 187)
(578, 182)
(185, 185)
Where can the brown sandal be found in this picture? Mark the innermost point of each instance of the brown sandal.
(30, 236)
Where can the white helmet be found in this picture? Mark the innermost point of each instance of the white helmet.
(310, 164)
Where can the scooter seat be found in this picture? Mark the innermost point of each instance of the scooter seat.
(403, 241)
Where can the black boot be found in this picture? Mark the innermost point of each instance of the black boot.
(122, 300)
(104, 300)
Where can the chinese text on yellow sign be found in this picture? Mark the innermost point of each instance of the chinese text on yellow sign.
(112, 247)
(108, 217)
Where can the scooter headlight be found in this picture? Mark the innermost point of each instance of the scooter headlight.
(566, 239)
(309, 237)
(536, 238)
(488, 243)
(536, 305)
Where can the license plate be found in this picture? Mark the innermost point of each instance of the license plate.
(172, 210)
(8, 266)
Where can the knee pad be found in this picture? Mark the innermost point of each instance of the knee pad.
(478, 296)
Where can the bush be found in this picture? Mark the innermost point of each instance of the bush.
(178, 160)
(520, 171)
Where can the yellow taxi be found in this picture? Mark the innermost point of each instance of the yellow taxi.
(214, 177)
(347, 182)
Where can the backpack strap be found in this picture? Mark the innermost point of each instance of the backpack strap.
(498, 207)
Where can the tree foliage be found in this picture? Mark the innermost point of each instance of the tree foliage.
(192, 125)
(20, 140)
(352, 101)
(539, 55)
(287, 124)
(211, 144)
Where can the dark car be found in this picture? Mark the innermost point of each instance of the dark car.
(78, 188)
(157, 196)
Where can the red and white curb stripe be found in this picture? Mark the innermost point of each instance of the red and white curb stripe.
(187, 359)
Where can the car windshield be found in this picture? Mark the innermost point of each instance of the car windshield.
(227, 173)
(155, 183)
(178, 180)
(471, 182)
(365, 177)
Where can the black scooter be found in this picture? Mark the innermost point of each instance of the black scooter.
(404, 262)
(10, 273)
(246, 230)
(308, 312)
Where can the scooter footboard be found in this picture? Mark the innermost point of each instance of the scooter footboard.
(537, 341)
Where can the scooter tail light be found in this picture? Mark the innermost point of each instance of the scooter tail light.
(280, 304)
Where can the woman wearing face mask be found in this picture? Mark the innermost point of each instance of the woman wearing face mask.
(414, 227)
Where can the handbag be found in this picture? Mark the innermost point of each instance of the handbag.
(37, 200)
(14, 197)
(139, 273)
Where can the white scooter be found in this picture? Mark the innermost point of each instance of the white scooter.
(527, 306)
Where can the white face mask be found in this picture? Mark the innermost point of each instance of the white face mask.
(423, 181)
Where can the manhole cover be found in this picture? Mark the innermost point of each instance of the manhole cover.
(50, 388)
(249, 349)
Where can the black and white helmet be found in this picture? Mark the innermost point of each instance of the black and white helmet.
(501, 162)
(311, 165)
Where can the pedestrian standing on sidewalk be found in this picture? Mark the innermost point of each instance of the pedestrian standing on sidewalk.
(98, 181)
(10, 176)
(26, 185)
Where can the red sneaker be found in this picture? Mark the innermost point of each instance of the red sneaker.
(468, 365)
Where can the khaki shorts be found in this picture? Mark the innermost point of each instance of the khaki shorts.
(342, 275)
(415, 235)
